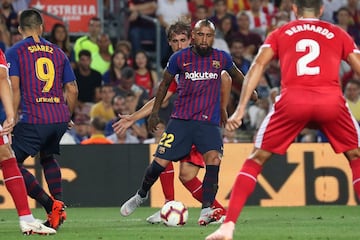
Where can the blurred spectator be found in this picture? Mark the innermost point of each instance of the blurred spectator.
(157, 134)
(225, 28)
(344, 20)
(80, 131)
(144, 76)
(195, 5)
(15, 37)
(237, 50)
(352, 96)
(201, 12)
(89, 41)
(127, 87)
(60, 36)
(125, 47)
(220, 11)
(8, 15)
(330, 8)
(252, 41)
(258, 19)
(139, 128)
(96, 129)
(20, 5)
(101, 60)
(168, 12)
(307, 135)
(119, 107)
(257, 112)
(123, 138)
(4, 34)
(140, 29)
(88, 80)
(67, 139)
(103, 109)
(236, 6)
(117, 62)
(286, 6)
(353, 6)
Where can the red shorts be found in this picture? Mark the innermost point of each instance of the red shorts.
(194, 158)
(296, 109)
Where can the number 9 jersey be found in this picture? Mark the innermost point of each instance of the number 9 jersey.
(42, 69)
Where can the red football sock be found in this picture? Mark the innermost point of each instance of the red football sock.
(167, 182)
(195, 188)
(15, 184)
(245, 184)
(355, 168)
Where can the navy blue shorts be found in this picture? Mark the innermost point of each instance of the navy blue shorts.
(30, 139)
(180, 135)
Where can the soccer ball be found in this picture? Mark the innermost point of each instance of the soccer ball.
(174, 214)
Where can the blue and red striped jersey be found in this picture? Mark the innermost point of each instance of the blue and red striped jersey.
(43, 69)
(199, 84)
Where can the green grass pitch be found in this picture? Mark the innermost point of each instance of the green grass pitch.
(255, 223)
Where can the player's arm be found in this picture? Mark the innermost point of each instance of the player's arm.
(226, 82)
(354, 61)
(7, 101)
(163, 88)
(15, 85)
(127, 121)
(71, 95)
(251, 81)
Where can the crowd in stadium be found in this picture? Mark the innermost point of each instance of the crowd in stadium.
(118, 76)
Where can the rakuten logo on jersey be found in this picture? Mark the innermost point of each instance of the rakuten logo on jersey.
(196, 76)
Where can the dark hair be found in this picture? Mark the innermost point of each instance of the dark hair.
(85, 52)
(180, 27)
(65, 45)
(148, 64)
(112, 74)
(127, 72)
(314, 5)
(30, 19)
(98, 123)
(96, 19)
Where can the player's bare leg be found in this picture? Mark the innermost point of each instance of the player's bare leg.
(225, 232)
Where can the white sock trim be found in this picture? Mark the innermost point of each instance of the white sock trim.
(12, 178)
(248, 175)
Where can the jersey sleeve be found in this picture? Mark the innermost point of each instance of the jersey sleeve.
(172, 66)
(228, 61)
(270, 41)
(349, 45)
(68, 75)
(13, 62)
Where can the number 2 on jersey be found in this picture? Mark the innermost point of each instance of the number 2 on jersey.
(166, 139)
(45, 71)
(302, 67)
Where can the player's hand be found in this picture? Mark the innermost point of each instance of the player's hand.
(254, 97)
(7, 127)
(153, 121)
(224, 117)
(121, 125)
(234, 121)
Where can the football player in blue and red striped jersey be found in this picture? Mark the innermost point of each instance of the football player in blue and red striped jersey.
(39, 72)
(196, 116)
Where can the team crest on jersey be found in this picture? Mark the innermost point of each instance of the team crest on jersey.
(161, 150)
(216, 64)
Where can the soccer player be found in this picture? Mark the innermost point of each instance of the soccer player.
(179, 37)
(13, 179)
(310, 52)
(196, 116)
(39, 72)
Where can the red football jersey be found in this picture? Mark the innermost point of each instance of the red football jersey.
(318, 50)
